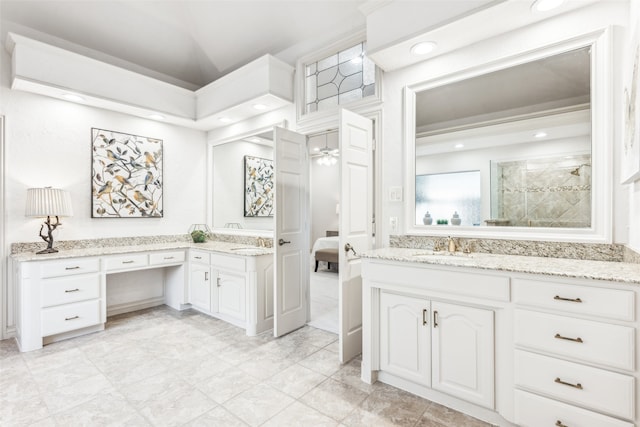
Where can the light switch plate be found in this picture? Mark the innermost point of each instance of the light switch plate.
(395, 194)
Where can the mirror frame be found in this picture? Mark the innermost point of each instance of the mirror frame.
(602, 120)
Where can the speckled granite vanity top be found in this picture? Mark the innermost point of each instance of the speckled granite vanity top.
(562, 267)
(214, 246)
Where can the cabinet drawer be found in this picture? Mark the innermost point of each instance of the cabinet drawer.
(228, 262)
(593, 388)
(69, 267)
(68, 317)
(585, 340)
(69, 289)
(534, 411)
(122, 262)
(606, 303)
(200, 257)
(166, 257)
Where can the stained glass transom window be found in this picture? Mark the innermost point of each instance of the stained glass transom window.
(343, 77)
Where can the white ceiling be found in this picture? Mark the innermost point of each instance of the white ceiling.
(188, 43)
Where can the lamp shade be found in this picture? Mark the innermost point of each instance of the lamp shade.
(48, 201)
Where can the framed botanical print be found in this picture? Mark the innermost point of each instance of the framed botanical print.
(258, 187)
(126, 175)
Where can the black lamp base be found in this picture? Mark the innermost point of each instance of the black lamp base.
(47, 251)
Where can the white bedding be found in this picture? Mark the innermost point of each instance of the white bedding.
(325, 242)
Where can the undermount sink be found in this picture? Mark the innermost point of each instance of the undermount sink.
(458, 256)
(246, 250)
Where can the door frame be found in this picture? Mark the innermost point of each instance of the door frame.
(320, 127)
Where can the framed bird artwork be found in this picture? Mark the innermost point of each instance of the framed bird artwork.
(126, 175)
(258, 187)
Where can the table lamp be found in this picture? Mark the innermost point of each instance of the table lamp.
(48, 202)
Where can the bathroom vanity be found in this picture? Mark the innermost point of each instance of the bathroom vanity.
(65, 294)
(508, 339)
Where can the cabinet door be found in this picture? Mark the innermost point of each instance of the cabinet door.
(404, 337)
(231, 294)
(463, 348)
(200, 287)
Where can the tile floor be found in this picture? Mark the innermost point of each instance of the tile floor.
(166, 368)
(324, 299)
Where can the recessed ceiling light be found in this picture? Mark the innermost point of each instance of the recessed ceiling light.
(540, 135)
(423, 48)
(256, 140)
(259, 106)
(225, 119)
(316, 149)
(73, 97)
(545, 5)
(357, 60)
(458, 146)
(156, 116)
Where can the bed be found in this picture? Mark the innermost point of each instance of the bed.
(330, 242)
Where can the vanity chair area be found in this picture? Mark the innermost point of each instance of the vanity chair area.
(72, 292)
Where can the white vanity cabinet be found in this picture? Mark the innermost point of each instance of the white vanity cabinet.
(235, 288)
(432, 330)
(200, 290)
(575, 353)
(58, 299)
(447, 347)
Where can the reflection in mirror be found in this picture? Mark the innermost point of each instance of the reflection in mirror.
(525, 130)
(228, 182)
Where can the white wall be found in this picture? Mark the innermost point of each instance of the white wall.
(563, 27)
(228, 184)
(48, 143)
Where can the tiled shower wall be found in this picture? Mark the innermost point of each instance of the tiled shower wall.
(550, 192)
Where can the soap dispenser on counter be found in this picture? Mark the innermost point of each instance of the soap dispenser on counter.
(455, 219)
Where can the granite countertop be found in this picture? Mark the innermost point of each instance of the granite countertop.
(561, 267)
(213, 246)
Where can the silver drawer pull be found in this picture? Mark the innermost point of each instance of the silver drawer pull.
(559, 381)
(169, 257)
(71, 318)
(72, 268)
(560, 424)
(559, 298)
(71, 290)
(128, 262)
(424, 316)
(560, 337)
(197, 257)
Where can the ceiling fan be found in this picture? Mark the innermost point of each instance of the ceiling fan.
(326, 156)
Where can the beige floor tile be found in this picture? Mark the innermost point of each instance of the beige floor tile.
(63, 398)
(107, 410)
(300, 415)
(388, 403)
(448, 417)
(349, 373)
(224, 386)
(258, 404)
(128, 364)
(334, 399)
(322, 361)
(195, 371)
(217, 417)
(176, 407)
(263, 365)
(22, 411)
(77, 369)
(296, 380)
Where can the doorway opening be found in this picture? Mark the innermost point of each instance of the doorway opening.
(324, 177)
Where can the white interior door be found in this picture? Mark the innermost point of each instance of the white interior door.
(291, 231)
(356, 210)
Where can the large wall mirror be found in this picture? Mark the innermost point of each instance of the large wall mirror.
(231, 201)
(518, 148)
